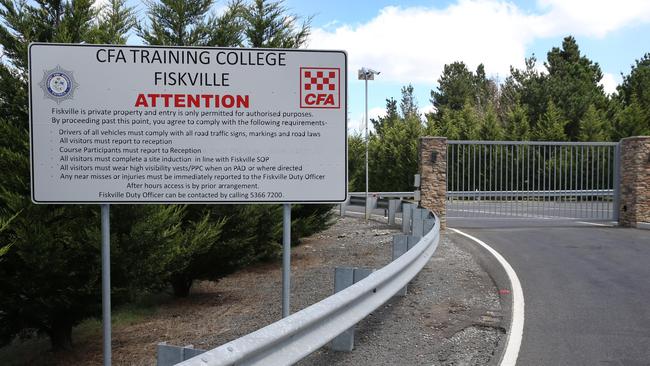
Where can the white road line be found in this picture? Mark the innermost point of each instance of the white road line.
(517, 323)
(594, 223)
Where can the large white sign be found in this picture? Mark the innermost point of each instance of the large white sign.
(174, 124)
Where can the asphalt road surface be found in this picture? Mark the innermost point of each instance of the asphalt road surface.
(586, 288)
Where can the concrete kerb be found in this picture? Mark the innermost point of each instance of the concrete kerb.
(643, 225)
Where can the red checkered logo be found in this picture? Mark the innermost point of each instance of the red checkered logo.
(320, 87)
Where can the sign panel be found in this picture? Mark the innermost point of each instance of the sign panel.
(123, 124)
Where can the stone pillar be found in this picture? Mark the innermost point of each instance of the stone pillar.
(432, 155)
(634, 207)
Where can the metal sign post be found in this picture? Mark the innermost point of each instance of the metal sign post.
(286, 259)
(106, 282)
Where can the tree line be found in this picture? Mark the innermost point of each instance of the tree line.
(561, 101)
(50, 259)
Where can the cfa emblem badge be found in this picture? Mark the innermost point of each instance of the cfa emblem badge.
(320, 87)
(58, 84)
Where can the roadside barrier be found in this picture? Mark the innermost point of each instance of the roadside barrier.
(291, 339)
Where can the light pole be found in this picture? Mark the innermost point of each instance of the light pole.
(367, 74)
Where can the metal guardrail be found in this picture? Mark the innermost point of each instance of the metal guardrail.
(555, 193)
(379, 199)
(382, 194)
(528, 143)
(293, 338)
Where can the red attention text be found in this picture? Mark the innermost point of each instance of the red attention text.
(192, 101)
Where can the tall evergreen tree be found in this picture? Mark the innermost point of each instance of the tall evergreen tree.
(637, 84)
(269, 25)
(189, 23)
(490, 129)
(115, 21)
(408, 105)
(468, 121)
(49, 275)
(458, 85)
(630, 120)
(389, 119)
(592, 126)
(632, 112)
(573, 84)
(356, 163)
(446, 125)
(551, 126)
(393, 156)
(527, 88)
(517, 126)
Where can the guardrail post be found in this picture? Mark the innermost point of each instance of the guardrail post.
(372, 204)
(401, 244)
(393, 205)
(417, 226)
(345, 277)
(417, 221)
(168, 355)
(428, 225)
(407, 213)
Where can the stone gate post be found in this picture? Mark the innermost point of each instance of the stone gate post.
(634, 204)
(432, 154)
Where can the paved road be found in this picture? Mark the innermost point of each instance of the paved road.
(586, 288)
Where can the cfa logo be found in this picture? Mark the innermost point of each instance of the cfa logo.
(320, 87)
(58, 84)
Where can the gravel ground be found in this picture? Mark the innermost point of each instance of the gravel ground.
(451, 315)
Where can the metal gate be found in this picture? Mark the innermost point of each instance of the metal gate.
(532, 179)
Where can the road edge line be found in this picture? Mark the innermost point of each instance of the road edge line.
(516, 331)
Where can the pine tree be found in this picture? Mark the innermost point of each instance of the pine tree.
(356, 163)
(518, 128)
(592, 126)
(389, 119)
(189, 23)
(393, 156)
(551, 126)
(490, 128)
(572, 84)
(115, 21)
(631, 121)
(446, 125)
(637, 84)
(468, 123)
(408, 105)
(49, 275)
(269, 25)
(458, 85)
(527, 88)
